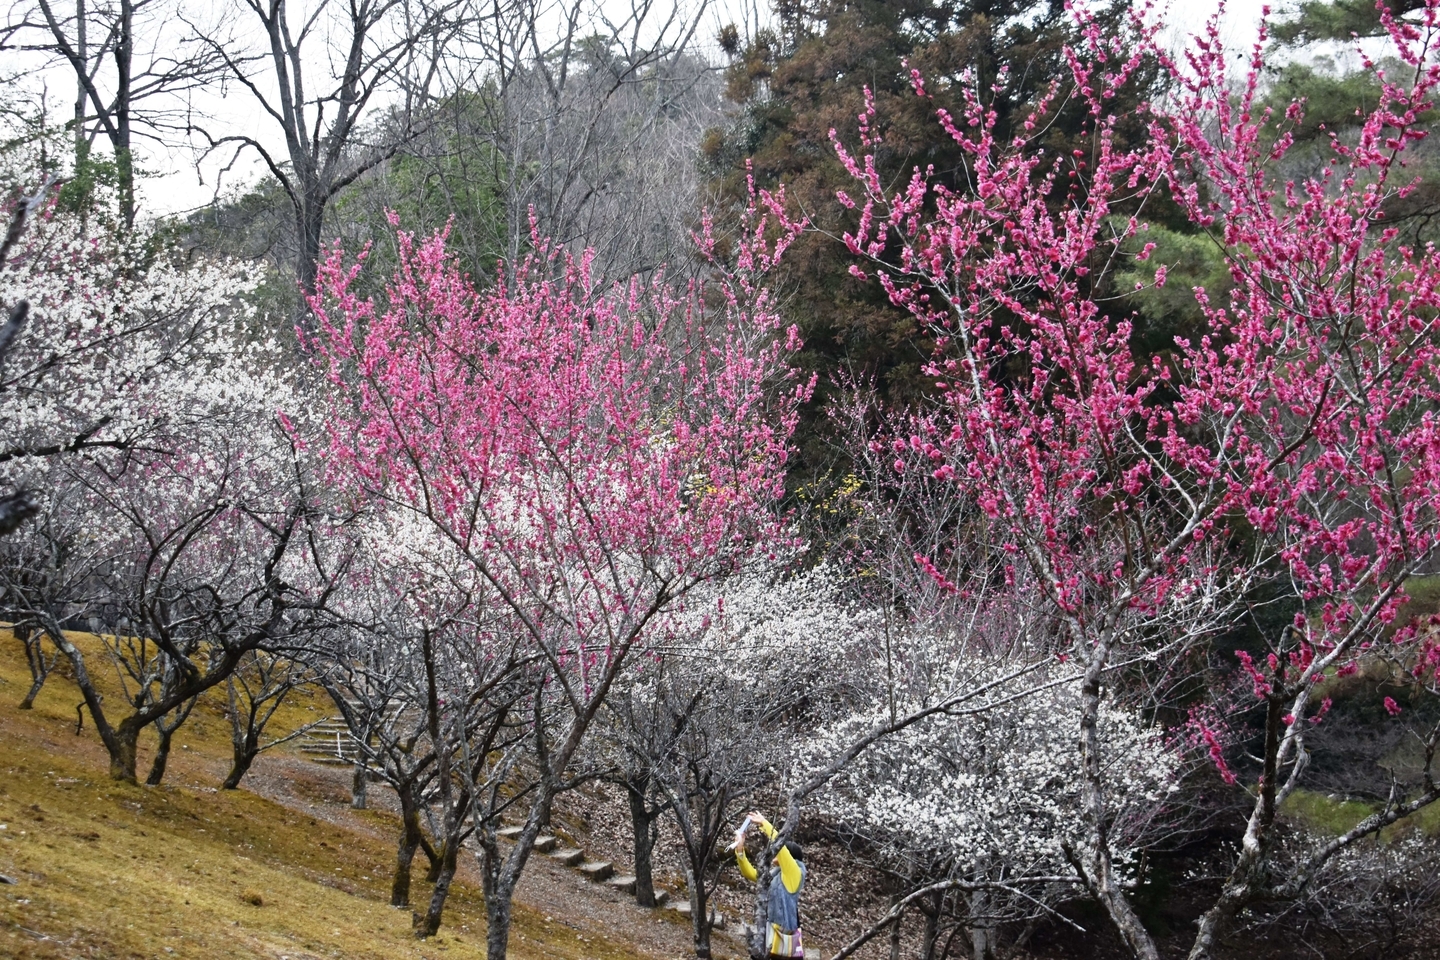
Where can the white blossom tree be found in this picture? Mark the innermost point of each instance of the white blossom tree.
(715, 714)
(976, 813)
(138, 397)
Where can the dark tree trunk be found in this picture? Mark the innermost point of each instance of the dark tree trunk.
(124, 158)
(247, 725)
(895, 930)
(499, 875)
(429, 925)
(35, 656)
(162, 757)
(700, 825)
(931, 936)
(642, 825)
(123, 746)
(700, 918)
(82, 50)
(244, 756)
(165, 726)
(410, 838)
(404, 858)
(244, 737)
(309, 223)
(497, 932)
(29, 702)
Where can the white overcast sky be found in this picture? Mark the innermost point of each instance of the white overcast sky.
(174, 184)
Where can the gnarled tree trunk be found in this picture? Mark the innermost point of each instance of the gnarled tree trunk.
(410, 840)
(642, 826)
(162, 756)
(429, 924)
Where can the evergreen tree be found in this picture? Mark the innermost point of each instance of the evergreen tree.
(809, 77)
(1311, 40)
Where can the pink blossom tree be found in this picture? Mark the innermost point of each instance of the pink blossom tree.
(591, 454)
(1293, 445)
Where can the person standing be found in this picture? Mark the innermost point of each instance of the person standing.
(787, 879)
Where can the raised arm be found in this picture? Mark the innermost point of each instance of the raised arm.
(789, 869)
(743, 862)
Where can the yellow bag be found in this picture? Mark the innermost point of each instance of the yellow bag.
(784, 944)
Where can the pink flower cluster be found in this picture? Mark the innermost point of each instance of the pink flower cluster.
(591, 453)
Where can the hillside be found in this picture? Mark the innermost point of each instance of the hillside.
(284, 868)
(281, 868)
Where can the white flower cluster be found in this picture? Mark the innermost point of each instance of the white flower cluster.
(125, 344)
(765, 612)
(1373, 888)
(993, 793)
(141, 402)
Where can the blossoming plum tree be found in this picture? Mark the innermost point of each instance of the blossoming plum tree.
(1293, 445)
(450, 696)
(718, 713)
(592, 455)
(138, 402)
(192, 556)
(972, 813)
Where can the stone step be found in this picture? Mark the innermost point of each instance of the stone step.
(508, 833)
(600, 870)
(682, 907)
(545, 844)
(331, 759)
(569, 856)
(329, 729)
(622, 883)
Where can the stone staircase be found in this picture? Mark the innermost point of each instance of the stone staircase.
(595, 871)
(329, 742)
(602, 871)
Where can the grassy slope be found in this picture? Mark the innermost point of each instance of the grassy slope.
(115, 871)
(1335, 816)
